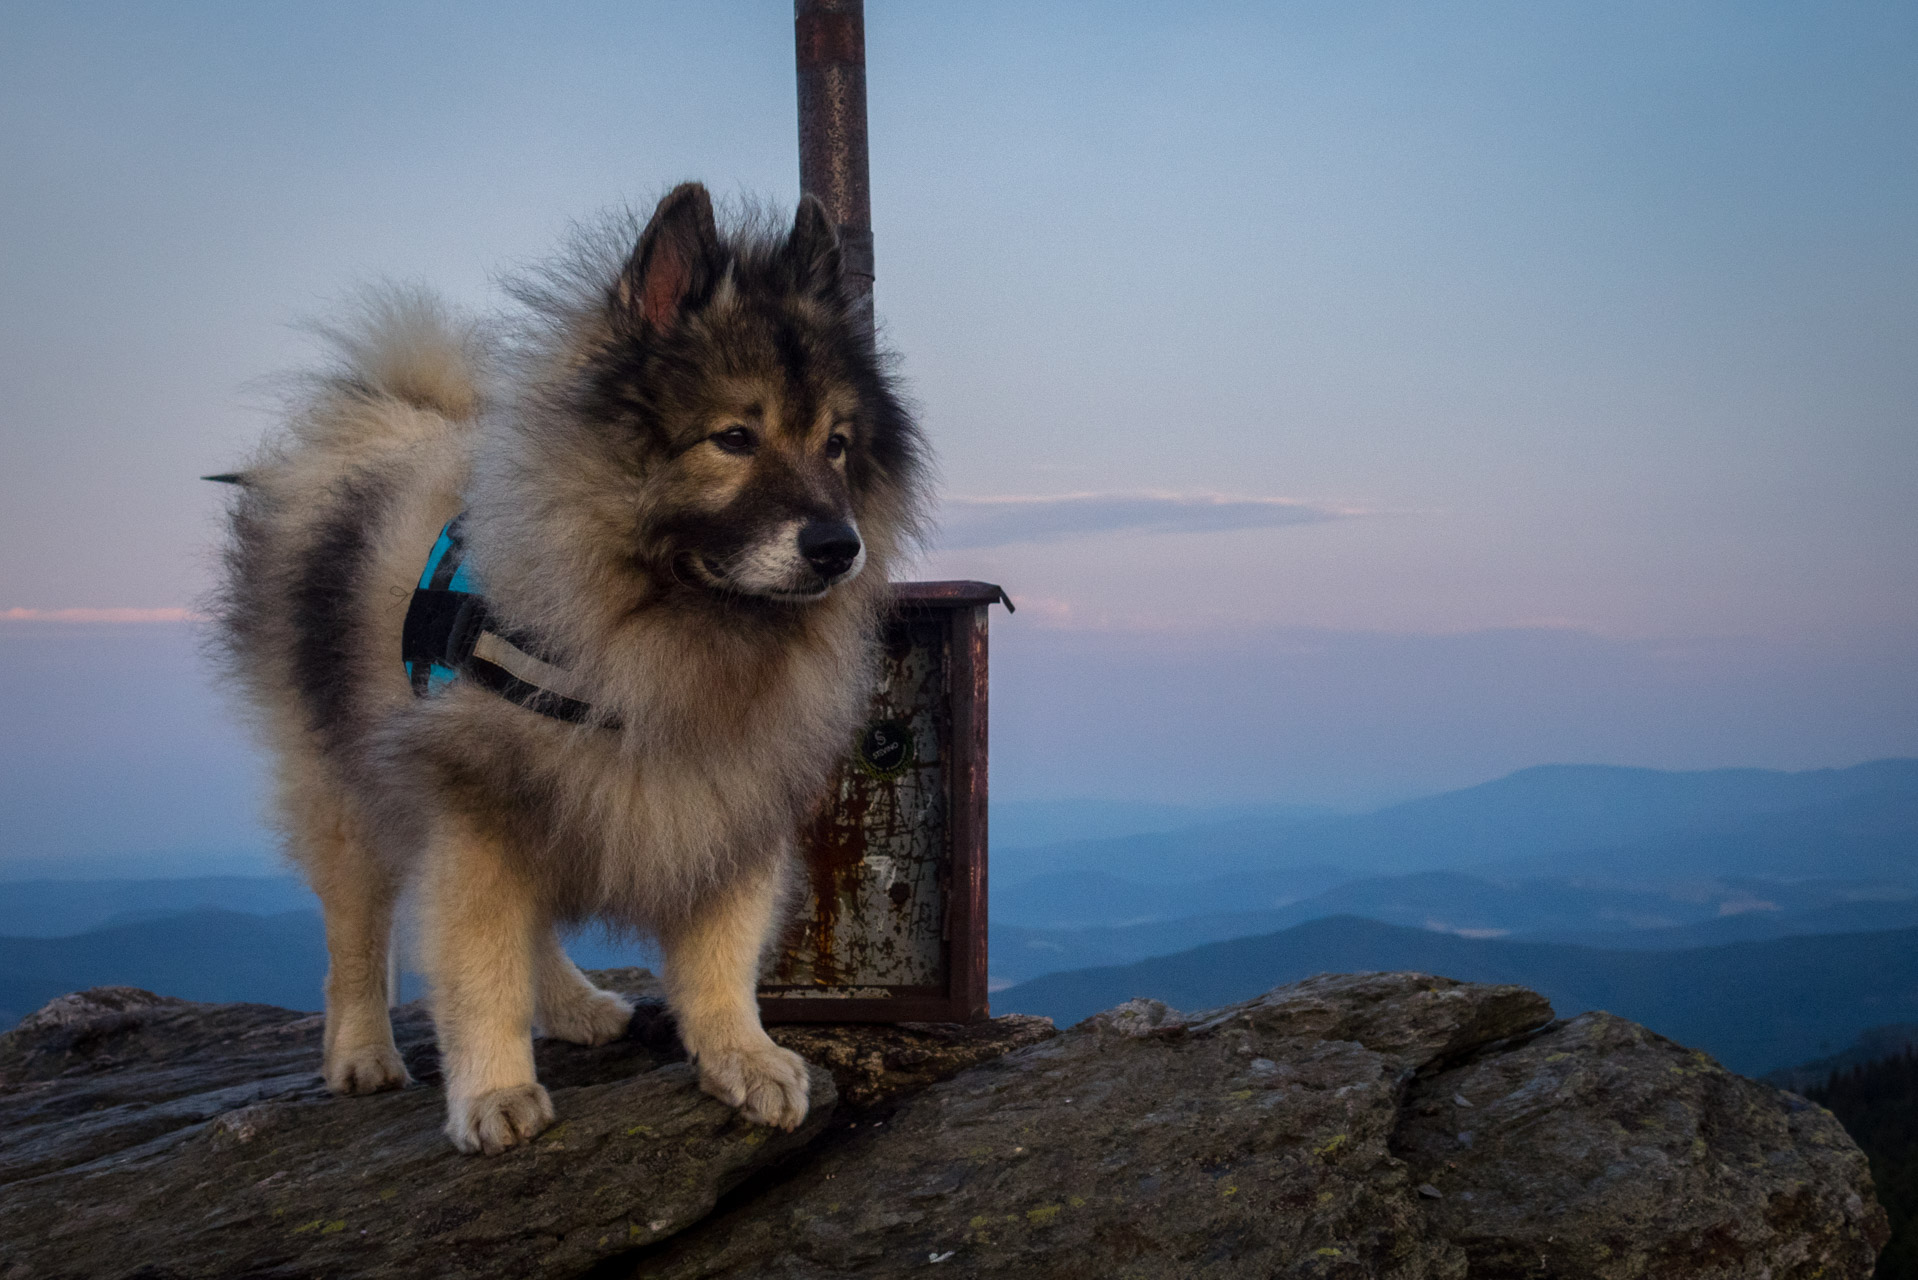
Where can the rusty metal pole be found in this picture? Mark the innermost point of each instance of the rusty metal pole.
(829, 38)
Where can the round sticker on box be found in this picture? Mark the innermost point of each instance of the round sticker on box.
(886, 749)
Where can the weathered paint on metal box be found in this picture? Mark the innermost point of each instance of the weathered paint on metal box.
(891, 921)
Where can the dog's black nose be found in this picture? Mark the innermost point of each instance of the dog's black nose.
(830, 547)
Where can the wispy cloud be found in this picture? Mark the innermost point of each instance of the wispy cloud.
(994, 522)
(99, 615)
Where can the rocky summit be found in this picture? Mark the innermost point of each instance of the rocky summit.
(1378, 1125)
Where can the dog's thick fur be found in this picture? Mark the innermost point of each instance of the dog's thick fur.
(636, 460)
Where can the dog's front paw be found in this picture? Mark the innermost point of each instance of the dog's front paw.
(367, 1068)
(489, 1123)
(591, 1017)
(768, 1084)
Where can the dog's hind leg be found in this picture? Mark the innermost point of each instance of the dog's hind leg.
(712, 976)
(483, 927)
(569, 1006)
(357, 891)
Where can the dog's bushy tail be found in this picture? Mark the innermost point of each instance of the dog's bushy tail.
(405, 343)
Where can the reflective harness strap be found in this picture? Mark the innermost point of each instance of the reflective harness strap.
(450, 633)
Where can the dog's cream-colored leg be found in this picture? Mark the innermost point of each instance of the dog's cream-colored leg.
(482, 926)
(570, 1007)
(712, 972)
(356, 894)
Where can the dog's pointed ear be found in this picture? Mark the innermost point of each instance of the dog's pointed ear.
(813, 250)
(675, 259)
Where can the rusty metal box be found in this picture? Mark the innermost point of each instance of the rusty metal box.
(891, 922)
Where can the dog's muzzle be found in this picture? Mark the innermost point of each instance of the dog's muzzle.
(830, 547)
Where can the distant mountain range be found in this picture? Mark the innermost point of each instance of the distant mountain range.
(1611, 857)
(1755, 1006)
(1553, 820)
(1568, 858)
(1027, 824)
(210, 953)
(203, 954)
(56, 908)
(1687, 913)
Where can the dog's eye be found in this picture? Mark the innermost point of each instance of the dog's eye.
(736, 440)
(835, 446)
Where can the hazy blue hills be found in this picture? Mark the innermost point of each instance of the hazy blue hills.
(1026, 824)
(1871, 835)
(1686, 913)
(1068, 899)
(53, 908)
(1755, 1006)
(204, 954)
(1588, 809)
(210, 953)
(1618, 859)
(1550, 820)
(1861, 915)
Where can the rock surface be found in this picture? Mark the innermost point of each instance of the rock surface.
(139, 1131)
(1385, 1125)
(1600, 1149)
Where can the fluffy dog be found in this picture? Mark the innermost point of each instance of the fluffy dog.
(681, 480)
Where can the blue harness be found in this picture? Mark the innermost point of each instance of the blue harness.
(449, 633)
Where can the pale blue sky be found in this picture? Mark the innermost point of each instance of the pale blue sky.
(1595, 319)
